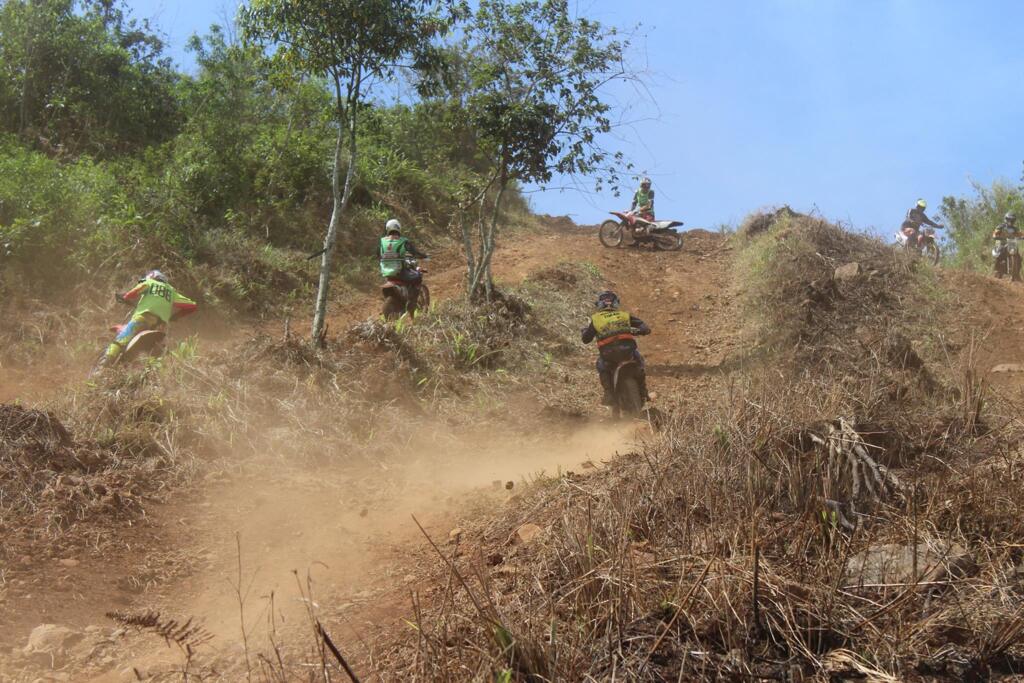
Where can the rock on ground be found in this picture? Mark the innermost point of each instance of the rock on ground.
(894, 563)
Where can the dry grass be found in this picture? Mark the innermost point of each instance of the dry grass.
(732, 545)
(134, 438)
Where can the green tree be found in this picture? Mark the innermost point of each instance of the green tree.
(353, 43)
(533, 92)
(82, 77)
(255, 135)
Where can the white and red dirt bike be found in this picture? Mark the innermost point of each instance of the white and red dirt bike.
(401, 297)
(631, 229)
(923, 245)
(1007, 258)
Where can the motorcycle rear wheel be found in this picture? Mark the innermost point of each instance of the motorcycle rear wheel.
(628, 395)
(668, 241)
(610, 233)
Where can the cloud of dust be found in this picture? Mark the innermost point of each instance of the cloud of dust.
(346, 528)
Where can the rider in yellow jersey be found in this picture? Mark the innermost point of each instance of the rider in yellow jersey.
(615, 331)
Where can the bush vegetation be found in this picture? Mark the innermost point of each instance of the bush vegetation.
(111, 160)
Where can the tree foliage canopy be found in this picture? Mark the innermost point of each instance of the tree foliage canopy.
(535, 79)
(79, 76)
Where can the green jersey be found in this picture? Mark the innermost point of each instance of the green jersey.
(392, 255)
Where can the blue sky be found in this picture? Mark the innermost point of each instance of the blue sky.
(853, 107)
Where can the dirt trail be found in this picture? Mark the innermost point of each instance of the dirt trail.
(993, 311)
(349, 529)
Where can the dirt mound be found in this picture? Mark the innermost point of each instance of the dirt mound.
(763, 221)
(18, 424)
(558, 223)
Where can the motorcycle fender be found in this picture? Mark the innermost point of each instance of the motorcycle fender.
(618, 369)
(143, 342)
(391, 289)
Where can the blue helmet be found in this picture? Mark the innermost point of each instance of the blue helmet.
(607, 300)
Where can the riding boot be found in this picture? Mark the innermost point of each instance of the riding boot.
(643, 387)
(609, 391)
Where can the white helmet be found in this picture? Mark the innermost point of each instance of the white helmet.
(645, 181)
(392, 226)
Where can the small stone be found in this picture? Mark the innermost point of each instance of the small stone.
(364, 512)
(51, 641)
(69, 562)
(1008, 367)
(509, 485)
(847, 271)
(455, 535)
(527, 533)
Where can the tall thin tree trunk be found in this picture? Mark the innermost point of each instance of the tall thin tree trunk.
(23, 109)
(467, 245)
(490, 240)
(341, 198)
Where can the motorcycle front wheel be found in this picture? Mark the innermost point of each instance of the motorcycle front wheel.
(423, 300)
(668, 241)
(931, 253)
(610, 233)
(394, 307)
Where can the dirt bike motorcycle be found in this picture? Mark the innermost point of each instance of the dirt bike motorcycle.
(151, 343)
(401, 297)
(1007, 258)
(659, 234)
(626, 386)
(920, 243)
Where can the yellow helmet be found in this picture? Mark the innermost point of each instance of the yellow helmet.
(922, 204)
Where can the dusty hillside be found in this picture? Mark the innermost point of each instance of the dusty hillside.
(349, 524)
(840, 509)
(307, 471)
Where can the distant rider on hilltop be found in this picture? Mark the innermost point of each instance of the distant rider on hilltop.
(643, 200)
(616, 331)
(1005, 230)
(916, 217)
